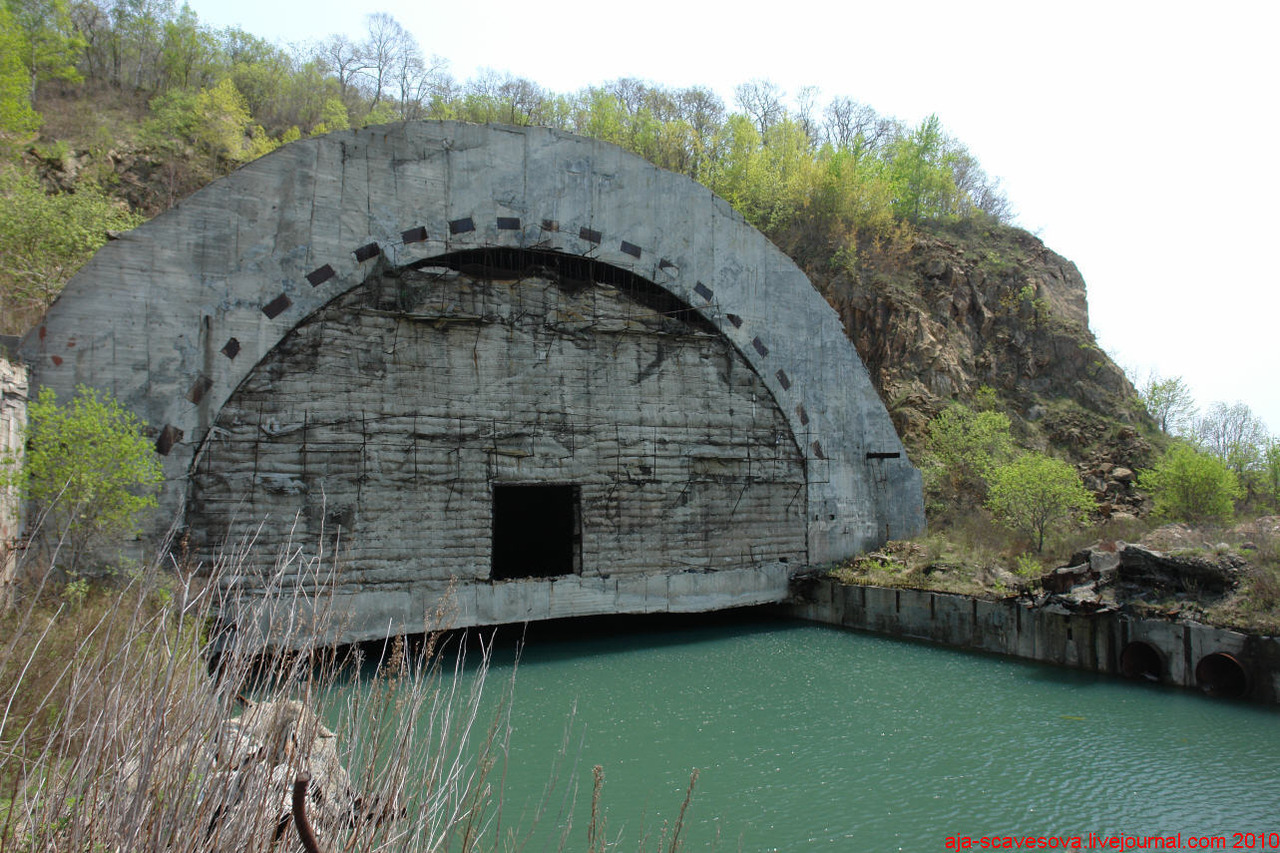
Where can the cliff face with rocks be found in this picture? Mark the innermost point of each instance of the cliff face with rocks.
(962, 310)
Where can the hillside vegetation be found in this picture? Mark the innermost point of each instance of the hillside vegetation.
(141, 104)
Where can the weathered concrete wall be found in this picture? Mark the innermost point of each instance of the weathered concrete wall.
(173, 317)
(382, 422)
(750, 436)
(1094, 642)
(13, 420)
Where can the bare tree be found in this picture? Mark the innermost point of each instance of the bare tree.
(855, 127)
(990, 198)
(975, 189)
(762, 101)
(704, 111)
(702, 108)
(343, 59)
(629, 91)
(806, 100)
(382, 51)
(415, 79)
(93, 22)
(663, 103)
(485, 83)
(1234, 434)
(526, 101)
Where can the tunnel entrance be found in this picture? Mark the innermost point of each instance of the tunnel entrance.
(536, 531)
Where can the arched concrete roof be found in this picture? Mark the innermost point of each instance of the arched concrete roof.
(174, 315)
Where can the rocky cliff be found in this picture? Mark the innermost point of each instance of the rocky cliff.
(990, 316)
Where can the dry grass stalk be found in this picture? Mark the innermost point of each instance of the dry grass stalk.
(118, 734)
(173, 713)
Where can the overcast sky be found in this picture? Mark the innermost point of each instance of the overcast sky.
(1137, 139)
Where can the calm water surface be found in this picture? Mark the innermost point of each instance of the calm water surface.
(810, 737)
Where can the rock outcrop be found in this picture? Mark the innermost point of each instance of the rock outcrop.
(970, 307)
(1110, 575)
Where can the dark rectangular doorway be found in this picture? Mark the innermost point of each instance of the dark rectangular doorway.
(536, 531)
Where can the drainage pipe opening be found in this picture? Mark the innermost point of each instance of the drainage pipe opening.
(1141, 660)
(1220, 674)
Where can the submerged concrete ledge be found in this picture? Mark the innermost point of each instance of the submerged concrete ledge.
(1218, 661)
(375, 614)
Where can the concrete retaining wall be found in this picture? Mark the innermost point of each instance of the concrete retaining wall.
(13, 420)
(1216, 660)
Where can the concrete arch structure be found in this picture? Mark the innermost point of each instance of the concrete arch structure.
(174, 316)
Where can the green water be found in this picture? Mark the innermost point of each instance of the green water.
(808, 737)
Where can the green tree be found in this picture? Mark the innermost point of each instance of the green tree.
(17, 118)
(1269, 477)
(383, 112)
(89, 473)
(225, 126)
(52, 43)
(216, 123)
(968, 446)
(188, 51)
(922, 177)
(601, 116)
(1035, 493)
(1187, 485)
(853, 194)
(333, 116)
(769, 179)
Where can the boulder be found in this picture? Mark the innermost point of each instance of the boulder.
(246, 772)
(1062, 579)
(1143, 567)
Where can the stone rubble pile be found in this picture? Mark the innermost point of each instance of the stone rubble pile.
(1108, 575)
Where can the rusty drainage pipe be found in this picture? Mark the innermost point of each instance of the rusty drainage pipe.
(1220, 674)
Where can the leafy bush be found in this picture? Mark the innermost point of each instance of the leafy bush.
(1187, 485)
(89, 473)
(45, 239)
(1036, 493)
(968, 446)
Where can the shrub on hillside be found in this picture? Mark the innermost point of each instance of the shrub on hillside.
(1187, 485)
(967, 446)
(1035, 494)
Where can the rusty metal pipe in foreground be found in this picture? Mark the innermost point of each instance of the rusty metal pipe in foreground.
(300, 822)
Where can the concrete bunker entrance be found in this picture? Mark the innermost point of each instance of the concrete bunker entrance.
(350, 341)
(537, 531)
(503, 414)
